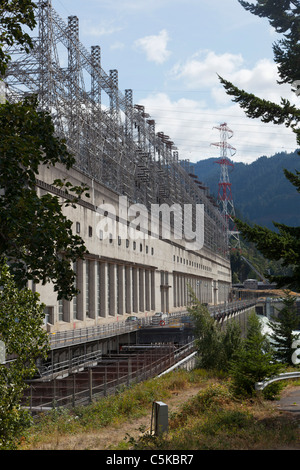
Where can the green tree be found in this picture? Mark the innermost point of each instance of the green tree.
(254, 361)
(216, 347)
(283, 328)
(284, 17)
(21, 320)
(35, 236)
(15, 14)
(36, 239)
(284, 244)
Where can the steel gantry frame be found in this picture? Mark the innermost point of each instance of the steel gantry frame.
(113, 140)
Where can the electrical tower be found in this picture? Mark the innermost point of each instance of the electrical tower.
(224, 194)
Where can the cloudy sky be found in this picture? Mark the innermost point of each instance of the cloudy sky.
(169, 53)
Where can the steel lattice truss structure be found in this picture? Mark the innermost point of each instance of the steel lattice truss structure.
(225, 198)
(113, 140)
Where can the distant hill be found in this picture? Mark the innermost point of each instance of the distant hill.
(261, 193)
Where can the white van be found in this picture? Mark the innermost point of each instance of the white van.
(160, 318)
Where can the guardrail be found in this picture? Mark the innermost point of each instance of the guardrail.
(287, 375)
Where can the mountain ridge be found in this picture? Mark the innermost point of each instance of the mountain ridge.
(261, 193)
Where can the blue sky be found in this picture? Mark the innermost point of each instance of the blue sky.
(169, 53)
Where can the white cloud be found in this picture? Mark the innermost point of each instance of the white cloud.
(155, 47)
(103, 28)
(189, 123)
(202, 68)
(118, 45)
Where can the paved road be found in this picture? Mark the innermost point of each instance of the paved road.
(290, 401)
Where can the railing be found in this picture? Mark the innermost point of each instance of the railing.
(51, 370)
(108, 377)
(114, 372)
(230, 307)
(84, 335)
(92, 333)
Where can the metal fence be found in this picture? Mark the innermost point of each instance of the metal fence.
(134, 365)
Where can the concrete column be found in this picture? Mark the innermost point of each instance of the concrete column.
(194, 288)
(215, 292)
(162, 300)
(198, 288)
(128, 287)
(141, 290)
(135, 290)
(167, 301)
(174, 284)
(74, 301)
(98, 289)
(153, 296)
(81, 287)
(147, 290)
(121, 290)
(93, 289)
(113, 289)
(183, 290)
(103, 290)
(86, 283)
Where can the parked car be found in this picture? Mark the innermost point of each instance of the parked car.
(132, 319)
(160, 318)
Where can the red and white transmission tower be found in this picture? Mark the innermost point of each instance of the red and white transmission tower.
(224, 194)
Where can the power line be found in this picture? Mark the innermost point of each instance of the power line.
(201, 113)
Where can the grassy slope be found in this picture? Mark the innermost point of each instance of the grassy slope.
(212, 419)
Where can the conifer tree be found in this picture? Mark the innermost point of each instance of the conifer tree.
(284, 243)
(255, 360)
(216, 346)
(283, 327)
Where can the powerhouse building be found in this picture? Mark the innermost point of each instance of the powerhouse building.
(128, 271)
(151, 228)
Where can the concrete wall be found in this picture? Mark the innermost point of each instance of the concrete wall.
(128, 272)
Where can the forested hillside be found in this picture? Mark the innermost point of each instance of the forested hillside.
(260, 190)
(261, 195)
